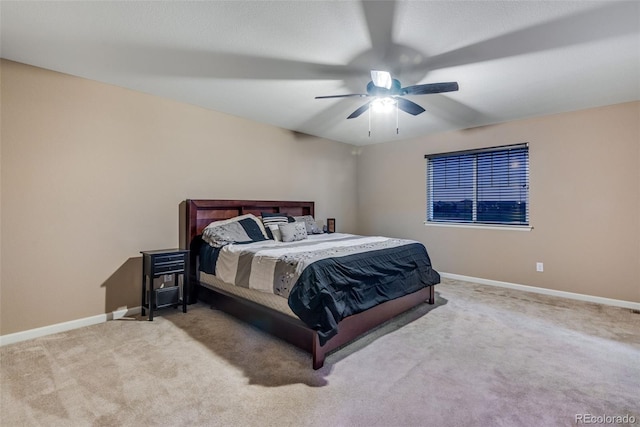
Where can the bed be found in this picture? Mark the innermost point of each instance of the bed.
(279, 316)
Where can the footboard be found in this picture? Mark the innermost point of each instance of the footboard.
(356, 325)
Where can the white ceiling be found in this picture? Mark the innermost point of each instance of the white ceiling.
(267, 60)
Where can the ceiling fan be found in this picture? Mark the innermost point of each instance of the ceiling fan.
(387, 90)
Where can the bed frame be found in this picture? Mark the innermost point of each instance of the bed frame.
(199, 213)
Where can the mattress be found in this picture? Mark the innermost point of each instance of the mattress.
(273, 301)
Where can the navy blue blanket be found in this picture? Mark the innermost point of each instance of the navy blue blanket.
(331, 289)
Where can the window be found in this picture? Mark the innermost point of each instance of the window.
(487, 186)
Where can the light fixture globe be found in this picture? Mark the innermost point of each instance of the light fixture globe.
(383, 105)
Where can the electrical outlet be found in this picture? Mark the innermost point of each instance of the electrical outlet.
(539, 266)
(167, 277)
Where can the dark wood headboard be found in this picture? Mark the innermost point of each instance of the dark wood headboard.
(201, 213)
(197, 214)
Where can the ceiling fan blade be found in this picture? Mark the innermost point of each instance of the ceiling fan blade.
(361, 95)
(430, 88)
(453, 111)
(409, 106)
(379, 16)
(175, 62)
(579, 28)
(359, 111)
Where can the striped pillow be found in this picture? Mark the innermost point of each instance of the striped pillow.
(270, 219)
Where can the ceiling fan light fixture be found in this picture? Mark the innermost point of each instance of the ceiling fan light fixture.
(383, 105)
(385, 98)
(381, 79)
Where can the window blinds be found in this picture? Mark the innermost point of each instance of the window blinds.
(487, 186)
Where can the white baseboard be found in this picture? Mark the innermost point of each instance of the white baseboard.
(67, 326)
(118, 314)
(581, 297)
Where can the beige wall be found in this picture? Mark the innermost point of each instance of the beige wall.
(92, 173)
(584, 195)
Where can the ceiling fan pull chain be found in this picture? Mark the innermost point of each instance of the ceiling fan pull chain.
(369, 123)
(397, 125)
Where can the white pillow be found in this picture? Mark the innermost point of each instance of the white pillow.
(310, 224)
(293, 231)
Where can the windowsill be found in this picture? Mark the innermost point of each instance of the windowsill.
(480, 226)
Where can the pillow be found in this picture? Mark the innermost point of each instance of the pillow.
(275, 232)
(310, 224)
(293, 232)
(240, 229)
(247, 220)
(254, 228)
(270, 218)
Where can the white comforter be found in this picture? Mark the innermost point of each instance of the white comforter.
(274, 267)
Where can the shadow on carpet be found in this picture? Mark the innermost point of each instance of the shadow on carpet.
(267, 360)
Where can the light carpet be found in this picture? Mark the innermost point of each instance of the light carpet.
(481, 356)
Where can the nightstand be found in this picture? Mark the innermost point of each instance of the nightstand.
(157, 263)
